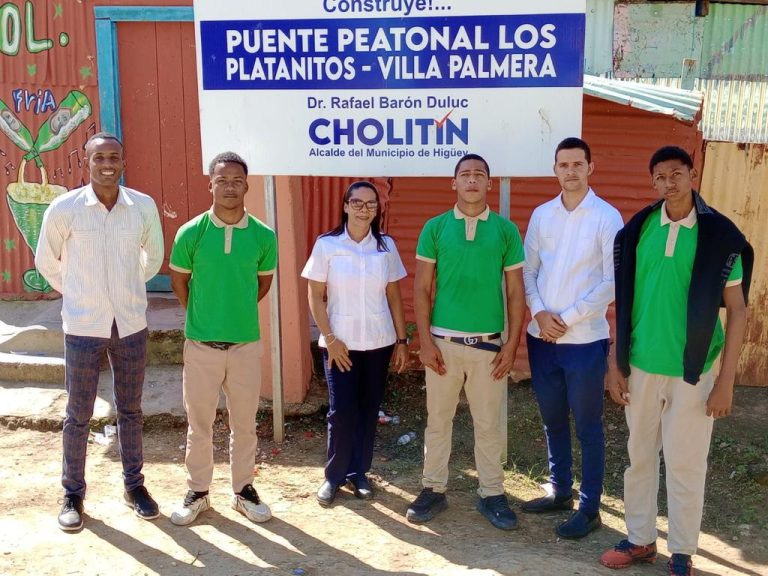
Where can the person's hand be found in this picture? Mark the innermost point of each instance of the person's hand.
(400, 357)
(503, 361)
(720, 400)
(431, 356)
(551, 326)
(617, 386)
(338, 353)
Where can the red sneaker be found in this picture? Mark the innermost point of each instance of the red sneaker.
(624, 554)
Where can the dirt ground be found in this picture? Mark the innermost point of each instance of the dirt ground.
(360, 537)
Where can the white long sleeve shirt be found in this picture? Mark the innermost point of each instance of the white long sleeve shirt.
(99, 259)
(568, 266)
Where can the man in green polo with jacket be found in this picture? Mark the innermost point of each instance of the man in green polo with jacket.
(677, 262)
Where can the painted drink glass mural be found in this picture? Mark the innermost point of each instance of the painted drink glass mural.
(29, 200)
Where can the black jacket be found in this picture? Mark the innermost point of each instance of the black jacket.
(719, 244)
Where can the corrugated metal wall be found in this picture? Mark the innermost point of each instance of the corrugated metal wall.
(735, 42)
(49, 105)
(598, 38)
(622, 140)
(735, 182)
(651, 39)
(728, 52)
(733, 110)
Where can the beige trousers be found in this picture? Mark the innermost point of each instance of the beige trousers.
(667, 414)
(467, 368)
(206, 372)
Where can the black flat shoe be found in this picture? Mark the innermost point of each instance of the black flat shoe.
(361, 487)
(327, 493)
(549, 503)
(579, 525)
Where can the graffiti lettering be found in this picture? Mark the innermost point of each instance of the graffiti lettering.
(12, 31)
(37, 102)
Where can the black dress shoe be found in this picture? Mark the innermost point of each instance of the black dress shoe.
(361, 487)
(579, 525)
(549, 503)
(327, 493)
(71, 515)
(142, 503)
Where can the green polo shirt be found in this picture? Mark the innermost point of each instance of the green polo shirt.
(665, 255)
(470, 259)
(224, 261)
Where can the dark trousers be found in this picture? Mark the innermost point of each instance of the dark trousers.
(82, 357)
(354, 399)
(569, 378)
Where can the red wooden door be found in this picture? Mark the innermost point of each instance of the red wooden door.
(160, 120)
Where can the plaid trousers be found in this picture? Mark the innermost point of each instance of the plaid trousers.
(82, 358)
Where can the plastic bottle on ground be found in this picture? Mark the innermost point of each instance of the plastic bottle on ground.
(406, 438)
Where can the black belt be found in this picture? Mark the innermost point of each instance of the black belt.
(479, 342)
(220, 345)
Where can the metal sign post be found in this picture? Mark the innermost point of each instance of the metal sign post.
(278, 418)
(504, 211)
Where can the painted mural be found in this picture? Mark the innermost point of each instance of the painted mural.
(47, 89)
(28, 200)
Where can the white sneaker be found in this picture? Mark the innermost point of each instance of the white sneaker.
(247, 502)
(190, 509)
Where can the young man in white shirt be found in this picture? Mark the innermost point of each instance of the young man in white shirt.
(569, 284)
(98, 246)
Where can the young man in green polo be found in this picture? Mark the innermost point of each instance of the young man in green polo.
(467, 251)
(677, 262)
(222, 264)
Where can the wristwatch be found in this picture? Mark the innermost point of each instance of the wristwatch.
(401, 341)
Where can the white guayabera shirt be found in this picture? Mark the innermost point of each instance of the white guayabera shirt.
(356, 276)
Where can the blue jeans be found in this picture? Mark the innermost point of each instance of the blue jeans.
(569, 378)
(82, 358)
(354, 398)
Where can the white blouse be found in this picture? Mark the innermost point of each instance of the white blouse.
(356, 276)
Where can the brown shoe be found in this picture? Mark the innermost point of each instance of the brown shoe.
(624, 554)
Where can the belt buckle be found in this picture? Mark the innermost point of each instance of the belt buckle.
(218, 345)
(471, 340)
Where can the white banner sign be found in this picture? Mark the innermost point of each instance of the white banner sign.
(389, 87)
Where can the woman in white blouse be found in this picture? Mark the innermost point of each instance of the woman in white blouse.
(362, 329)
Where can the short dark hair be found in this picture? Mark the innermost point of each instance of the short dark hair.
(571, 143)
(227, 158)
(471, 157)
(670, 153)
(103, 136)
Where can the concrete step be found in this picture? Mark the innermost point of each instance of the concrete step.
(25, 367)
(42, 405)
(45, 402)
(32, 340)
(163, 346)
(29, 359)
